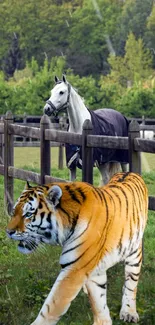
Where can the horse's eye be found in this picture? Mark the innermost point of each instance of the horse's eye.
(61, 92)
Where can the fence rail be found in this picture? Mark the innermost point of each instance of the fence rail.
(45, 134)
(28, 119)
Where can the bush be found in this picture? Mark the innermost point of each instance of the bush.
(137, 101)
(29, 89)
(5, 95)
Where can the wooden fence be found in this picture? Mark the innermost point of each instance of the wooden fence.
(86, 140)
(33, 120)
(26, 141)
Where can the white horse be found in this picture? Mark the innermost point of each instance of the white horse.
(64, 96)
(147, 134)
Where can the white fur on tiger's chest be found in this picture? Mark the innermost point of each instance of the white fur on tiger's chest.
(117, 255)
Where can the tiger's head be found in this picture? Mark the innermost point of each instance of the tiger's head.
(35, 219)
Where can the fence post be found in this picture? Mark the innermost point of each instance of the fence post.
(143, 123)
(1, 144)
(45, 149)
(8, 161)
(24, 122)
(87, 154)
(61, 146)
(134, 156)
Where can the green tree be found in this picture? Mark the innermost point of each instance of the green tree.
(34, 91)
(134, 18)
(137, 101)
(5, 95)
(12, 61)
(134, 66)
(150, 33)
(88, 50)
(41, 25)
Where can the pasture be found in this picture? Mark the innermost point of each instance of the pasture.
(26, 280)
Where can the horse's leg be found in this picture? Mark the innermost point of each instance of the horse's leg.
(72, 174)
(114, 168)
(104, 171)
(125, 167)
(107, 170)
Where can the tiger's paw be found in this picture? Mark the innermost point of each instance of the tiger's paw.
(131, 317)
(103, 322)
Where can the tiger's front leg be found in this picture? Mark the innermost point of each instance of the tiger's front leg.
(97, 292)
(64, 290)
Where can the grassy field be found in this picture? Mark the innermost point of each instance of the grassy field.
(26, 280)
(30, 157)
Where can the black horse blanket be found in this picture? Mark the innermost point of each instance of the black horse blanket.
(105, 122)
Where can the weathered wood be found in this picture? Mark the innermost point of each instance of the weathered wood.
(8, 161)
(37, 118)
(24, 175)
(24, 123)
(27, 175)
(63, 127)
(152, 203)
(147, 127)
(144, 145)
(134, 156)
(50, 179)
(87, 154)
(1, 126)
(148, 121)
(143, 123)
(25, 144)
(1, 169)
(24, 131)
(35, 178)
(34, 144)
(1, 141)
(98, 141)
(61, 155)
(63, 137)
(135, 144)
(45, 149)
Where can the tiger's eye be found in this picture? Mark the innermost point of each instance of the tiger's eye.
(28, 215)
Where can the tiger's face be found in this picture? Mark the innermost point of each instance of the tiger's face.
(34, 219)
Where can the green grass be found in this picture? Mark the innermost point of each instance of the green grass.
(148, 162)
(26, 280)
(31, 157)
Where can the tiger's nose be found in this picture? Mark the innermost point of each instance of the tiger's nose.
(10, 232)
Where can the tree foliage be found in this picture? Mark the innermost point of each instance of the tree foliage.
(104, 46)
(134, 66)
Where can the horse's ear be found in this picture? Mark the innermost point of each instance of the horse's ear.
(64, 78)
(56, 79)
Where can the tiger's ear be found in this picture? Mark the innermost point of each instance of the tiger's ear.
(54, 195)
(27, 186)
(64, 79)
(56, 79)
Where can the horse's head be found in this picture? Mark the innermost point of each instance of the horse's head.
(59, 98)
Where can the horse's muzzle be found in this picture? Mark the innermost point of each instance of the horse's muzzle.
(48, 110)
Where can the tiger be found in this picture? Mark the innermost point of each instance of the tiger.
(97, 227)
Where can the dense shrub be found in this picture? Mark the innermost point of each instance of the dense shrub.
(28, 90)
(137, 101)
